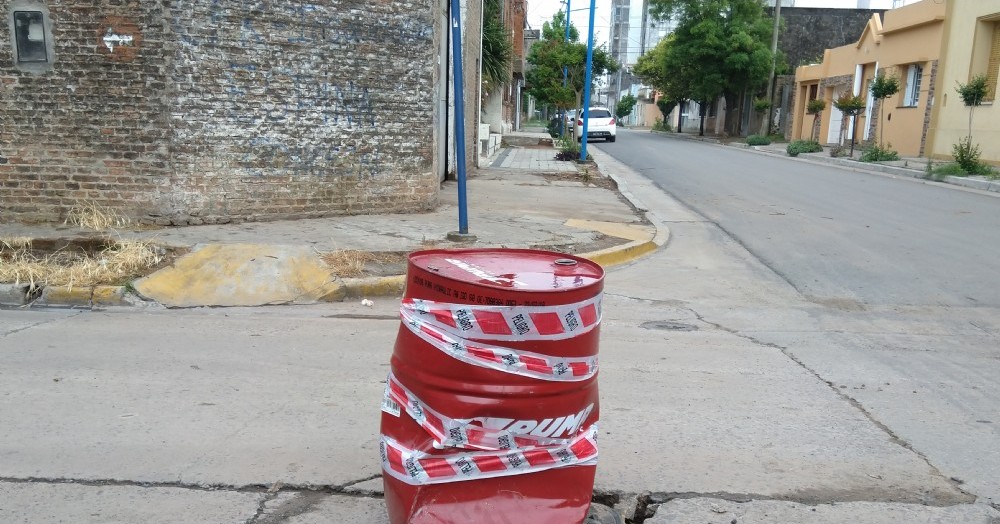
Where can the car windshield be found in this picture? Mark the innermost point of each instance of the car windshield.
(599, 113)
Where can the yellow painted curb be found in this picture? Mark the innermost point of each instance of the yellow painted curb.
(618, 255)
(374, 286)
(109, 296)
(66, 296)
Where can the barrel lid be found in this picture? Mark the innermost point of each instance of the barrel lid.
(511, 269)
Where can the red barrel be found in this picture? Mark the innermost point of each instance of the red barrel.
(491, 405)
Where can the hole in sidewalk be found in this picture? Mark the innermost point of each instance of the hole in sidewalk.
(668, 325)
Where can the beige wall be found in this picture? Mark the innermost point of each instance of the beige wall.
(910, 34)
(967, 31)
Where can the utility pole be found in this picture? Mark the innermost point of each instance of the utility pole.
(765, 126)
(562, 117)
(586, 83)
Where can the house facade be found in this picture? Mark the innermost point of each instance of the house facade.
(972, 34)
(907, 45)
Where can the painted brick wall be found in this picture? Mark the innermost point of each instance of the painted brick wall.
(226, 110)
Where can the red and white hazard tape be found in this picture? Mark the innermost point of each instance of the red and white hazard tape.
(524, 363)
(508, 323)
(418, 468)
(449, 432)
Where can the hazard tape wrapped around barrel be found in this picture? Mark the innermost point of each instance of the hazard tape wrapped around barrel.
(491, 452)
(491, 405)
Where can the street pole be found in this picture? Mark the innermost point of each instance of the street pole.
(586, 82)
(456, 39)
(765, 126)
(562, 117)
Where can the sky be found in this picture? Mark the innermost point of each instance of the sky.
(541, 11)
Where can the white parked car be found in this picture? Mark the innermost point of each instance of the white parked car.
(570, 119)
(600, 124)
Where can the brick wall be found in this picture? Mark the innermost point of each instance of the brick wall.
(93, 128)
(224, 110)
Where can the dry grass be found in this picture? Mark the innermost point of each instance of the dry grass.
(351, 263)
(90, 215)
(122, 261)
(14, 243)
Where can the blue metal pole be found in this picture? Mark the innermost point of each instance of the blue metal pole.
(586, 82)
(565, 70)
(456, 46)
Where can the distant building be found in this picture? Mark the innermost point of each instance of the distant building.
(634, 31)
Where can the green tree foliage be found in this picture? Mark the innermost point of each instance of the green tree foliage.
(720, 47)
(815, 108)
(549, 55)
(625, 106)
(666, 106)
(497, 47)
(883, 87)
(973, 95)
(650, 67)
(850, 105)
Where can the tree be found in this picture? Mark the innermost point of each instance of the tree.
(551, 54)
(973, 95)
(625, 106)
(815, 108)
(883, 87)
(497, 47)
(966, 153)
(850, 105)
(720, 48)
(650, 67)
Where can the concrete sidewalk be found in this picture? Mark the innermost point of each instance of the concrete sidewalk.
(912, 167)
(528, 200)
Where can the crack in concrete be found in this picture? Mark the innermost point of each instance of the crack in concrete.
(42, 323)
(303, 502)
(261, 508)
(893, 437)
(645, 505)
(278, 487)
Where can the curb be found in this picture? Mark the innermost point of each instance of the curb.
(350, 288)
(395, 285)
(992, 186)
(19, 295)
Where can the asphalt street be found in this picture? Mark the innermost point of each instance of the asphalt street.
(911, 336)
(832, 233)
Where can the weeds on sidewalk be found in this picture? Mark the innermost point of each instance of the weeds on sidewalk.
(117, 263)
(351, 263)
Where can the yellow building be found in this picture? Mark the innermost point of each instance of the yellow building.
(972, 34)
(906, 45)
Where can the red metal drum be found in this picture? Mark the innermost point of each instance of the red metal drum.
(491, 405)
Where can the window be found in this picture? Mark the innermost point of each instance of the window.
(911, 98)
(29, 37)
(993, 68)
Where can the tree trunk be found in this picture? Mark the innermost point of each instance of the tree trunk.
(702, 109)
(733, 113)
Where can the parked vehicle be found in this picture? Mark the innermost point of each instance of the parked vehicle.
(570, 119)
(600, 124)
